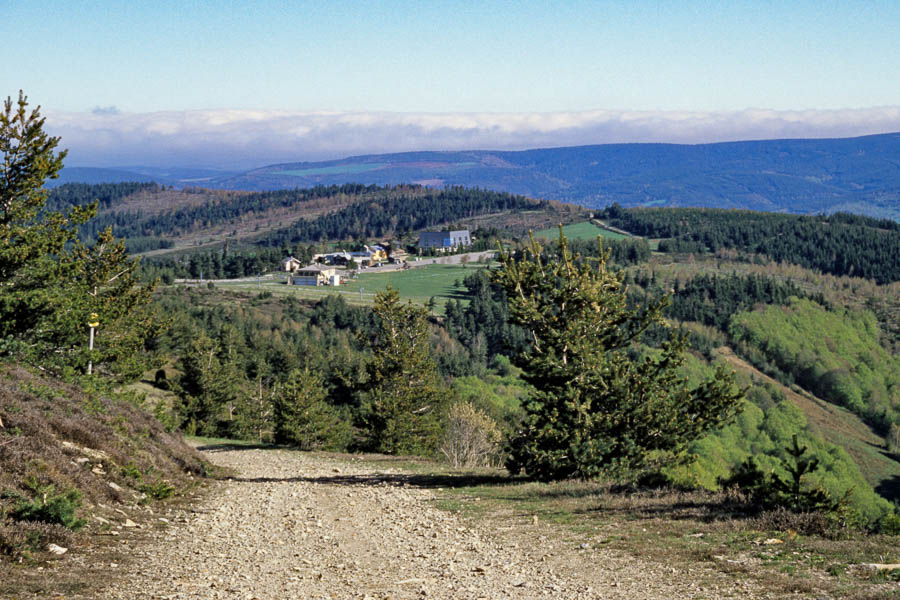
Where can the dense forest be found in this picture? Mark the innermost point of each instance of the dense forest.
(245, 351)
(373, 211)
(396, 214)
(839, 244)
(225, 208)
(106, 195)
(220, 263)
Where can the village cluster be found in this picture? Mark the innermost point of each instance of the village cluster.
(332, 268)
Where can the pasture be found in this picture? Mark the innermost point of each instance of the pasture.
(579, 231)
(418, 284)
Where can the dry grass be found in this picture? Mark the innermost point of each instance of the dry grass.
(107, 448)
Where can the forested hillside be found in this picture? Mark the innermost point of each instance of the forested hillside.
(840, 244)
(563, 360)
(149, 217)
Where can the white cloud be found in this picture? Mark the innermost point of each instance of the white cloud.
(247, 138)
(105, 110)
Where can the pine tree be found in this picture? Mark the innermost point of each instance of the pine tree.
(601, 407)
(51, 283)
(29, 238)
(404, 398)
(304, 418)
(211, 386)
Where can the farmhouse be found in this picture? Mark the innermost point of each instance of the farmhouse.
(444, 240)
(315, 275)
(291, 264)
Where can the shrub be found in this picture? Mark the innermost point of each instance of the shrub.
(889, 524)
(157, 491)
(471, 437)
(768, 491)
(48, 506)
(161, 380)
(20, 539)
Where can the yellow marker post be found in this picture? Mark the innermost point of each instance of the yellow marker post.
(93, 324)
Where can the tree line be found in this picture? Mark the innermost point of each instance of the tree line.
(838, 244)
(377, 211)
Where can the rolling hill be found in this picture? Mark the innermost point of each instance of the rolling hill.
(859, 175)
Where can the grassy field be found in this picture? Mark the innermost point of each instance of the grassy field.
(417, 284)
(580, 231)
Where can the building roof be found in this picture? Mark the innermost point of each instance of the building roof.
(315, 268)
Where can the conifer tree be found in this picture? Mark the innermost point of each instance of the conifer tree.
(404, 398)
(601, 407)
(51, 283)
(304, 418)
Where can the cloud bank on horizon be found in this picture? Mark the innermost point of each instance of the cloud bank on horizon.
(244, 139)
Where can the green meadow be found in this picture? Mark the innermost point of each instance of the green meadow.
(579, 231)
(418, 284)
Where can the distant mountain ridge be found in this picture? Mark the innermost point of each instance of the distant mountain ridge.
(176, 176)
(859, 175)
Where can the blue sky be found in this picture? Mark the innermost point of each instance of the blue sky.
(455, 58)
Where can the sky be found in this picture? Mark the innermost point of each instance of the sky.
(238, 84)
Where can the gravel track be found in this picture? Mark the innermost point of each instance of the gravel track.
(291, 525)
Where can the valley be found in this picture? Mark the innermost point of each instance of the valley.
(237, 336)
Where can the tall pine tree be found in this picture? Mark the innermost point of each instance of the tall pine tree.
(601, 407)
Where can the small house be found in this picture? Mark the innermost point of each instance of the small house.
(369, 256)
(315, 275)
(290, 264)
(334, 258)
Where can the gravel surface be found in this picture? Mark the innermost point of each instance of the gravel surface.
(291, 525)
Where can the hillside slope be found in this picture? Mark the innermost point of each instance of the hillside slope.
(76, 463)
(860, 175)
(838, 426)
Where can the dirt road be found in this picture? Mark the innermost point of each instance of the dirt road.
(290, 525)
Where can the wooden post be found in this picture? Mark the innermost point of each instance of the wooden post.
(93, 323)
